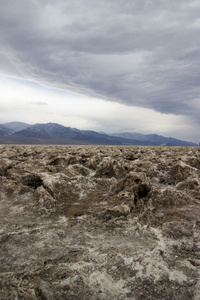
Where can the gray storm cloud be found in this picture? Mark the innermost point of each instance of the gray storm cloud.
(142, 53)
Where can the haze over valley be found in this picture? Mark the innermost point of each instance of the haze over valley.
(52, 133)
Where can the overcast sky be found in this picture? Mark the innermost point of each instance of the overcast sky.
(109, 65)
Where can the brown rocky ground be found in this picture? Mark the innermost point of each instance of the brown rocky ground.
(98, 222)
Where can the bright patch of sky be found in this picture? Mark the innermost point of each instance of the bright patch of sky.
(30, 102)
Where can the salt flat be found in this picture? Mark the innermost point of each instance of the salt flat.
(99, 222)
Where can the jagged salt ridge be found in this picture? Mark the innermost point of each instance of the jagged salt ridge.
(99, 222)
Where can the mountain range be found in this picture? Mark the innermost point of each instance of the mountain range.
(53, 133)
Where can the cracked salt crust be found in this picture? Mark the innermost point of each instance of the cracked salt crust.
(107, 284)
(82, 244)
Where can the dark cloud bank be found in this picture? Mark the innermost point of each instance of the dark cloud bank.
(143, 53)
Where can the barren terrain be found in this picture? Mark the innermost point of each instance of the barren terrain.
(99, 222)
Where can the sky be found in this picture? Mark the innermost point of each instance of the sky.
(109, 65)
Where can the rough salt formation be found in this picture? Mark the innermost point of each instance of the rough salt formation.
(98, 222)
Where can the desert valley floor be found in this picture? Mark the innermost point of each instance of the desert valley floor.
(99, 222)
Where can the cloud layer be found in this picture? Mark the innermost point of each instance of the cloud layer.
(32, 104)
(140, 53)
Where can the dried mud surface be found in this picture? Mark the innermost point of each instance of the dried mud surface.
(99, 222)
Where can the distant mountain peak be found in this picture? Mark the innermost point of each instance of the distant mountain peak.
(54, 133)
(16, 126)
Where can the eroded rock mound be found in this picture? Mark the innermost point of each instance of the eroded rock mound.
(99, 222)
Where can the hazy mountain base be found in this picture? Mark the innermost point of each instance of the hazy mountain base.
(55, 134)
(98, 222)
